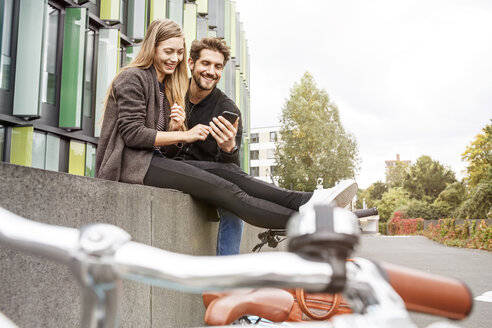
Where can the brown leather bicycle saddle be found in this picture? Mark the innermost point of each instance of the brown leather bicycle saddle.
(223, 308)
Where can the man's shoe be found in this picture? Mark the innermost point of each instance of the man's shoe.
(342, 194)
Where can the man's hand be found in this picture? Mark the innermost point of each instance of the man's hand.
(177, 118)
(224, 133)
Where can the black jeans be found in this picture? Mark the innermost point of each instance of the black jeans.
(225, 185)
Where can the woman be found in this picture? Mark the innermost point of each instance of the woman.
(139, 121)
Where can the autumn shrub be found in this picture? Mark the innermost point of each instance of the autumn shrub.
(468, 234)
(398, 225)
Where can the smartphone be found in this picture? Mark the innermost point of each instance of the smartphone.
(230, 116)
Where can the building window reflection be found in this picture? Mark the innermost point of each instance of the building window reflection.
(5, 38)
(49, 56)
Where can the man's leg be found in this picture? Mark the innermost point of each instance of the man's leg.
(229, 234)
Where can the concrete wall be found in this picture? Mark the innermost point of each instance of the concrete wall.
(39, 293)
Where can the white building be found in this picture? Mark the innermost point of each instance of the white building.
(262, 153)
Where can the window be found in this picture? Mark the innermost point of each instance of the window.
(255, 154)
(5, 37)
(271, 154)
(273, 170)
(273, 136)
(255, 138)
(48, 93)
(2, 141)
(255, 171)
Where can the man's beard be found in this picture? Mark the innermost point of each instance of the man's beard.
(196, 78)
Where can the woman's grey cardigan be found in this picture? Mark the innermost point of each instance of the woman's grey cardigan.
(128, 131)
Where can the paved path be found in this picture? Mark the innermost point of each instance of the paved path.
(472, 266)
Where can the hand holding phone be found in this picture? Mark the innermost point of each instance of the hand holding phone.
(230, 116)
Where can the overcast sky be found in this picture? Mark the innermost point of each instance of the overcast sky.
(409, 77)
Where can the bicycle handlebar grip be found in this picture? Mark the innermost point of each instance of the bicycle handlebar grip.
(366, 212)
(428, 293)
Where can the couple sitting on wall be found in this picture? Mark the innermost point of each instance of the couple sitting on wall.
(162, 129)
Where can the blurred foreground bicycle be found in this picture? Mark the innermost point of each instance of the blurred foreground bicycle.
(101, 256)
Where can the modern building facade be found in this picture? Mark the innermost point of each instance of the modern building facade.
(262, 153)
(58, 58)
(392, 163)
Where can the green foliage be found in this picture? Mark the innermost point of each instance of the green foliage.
(427, 178)
(449, 200)
(314, 143)
(392, 199)
(479, 157)
(479, 205)
(395, 176)
(468, 234)
(419, 209)
(383, 228)
(372, 194)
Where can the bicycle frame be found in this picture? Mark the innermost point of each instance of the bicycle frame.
(102, 255)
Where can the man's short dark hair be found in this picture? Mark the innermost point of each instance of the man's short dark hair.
(215, 44)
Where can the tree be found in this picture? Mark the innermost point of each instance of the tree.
(314, 143)
(479, 157)
(479, 205)
(372, 194)
(391, 200)
(427, 178)
(395, 176)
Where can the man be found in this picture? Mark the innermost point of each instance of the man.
(204, 105)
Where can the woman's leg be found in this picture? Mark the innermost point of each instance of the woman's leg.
(214, 190)
(254, 187)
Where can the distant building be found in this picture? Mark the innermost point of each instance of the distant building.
(392, 163)
(262, 153)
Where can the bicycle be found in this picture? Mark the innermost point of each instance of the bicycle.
(102, 255)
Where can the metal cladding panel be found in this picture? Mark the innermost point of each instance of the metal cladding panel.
(237, 82)
(213, 10)
(27, 100)
(220, 18)
(21, 145)
(201, 27)
(226, 76)
(6, 8)
(72, 85)
(76, 159)
(38, 150)
(90, 160)
(237, 45)
(233, 30)
(227, 22)
(202, 6)
(189, 24)
(107, 67)
(110, 11)
(175, 10)
(212, 33)
(135, 28)
(158, 9)
(243, 50)
(52, 161)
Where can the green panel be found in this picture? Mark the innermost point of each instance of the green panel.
(90, 160)
(88, 69)
(245, 162)
(5, 37)
(202, 6)
(233, 30)
(38, 149)
(2, 141)
(110, 11)
(21, 145)
(107, 67)
(135, 27)
(73, 69)
(157, 9)
(29, 58)
(189, 24)
(52, 162)
(175, 11)
(243, 50)
(227, 22)
(76, 160)
(131, 53)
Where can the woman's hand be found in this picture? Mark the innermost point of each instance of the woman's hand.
(177, 118)
(198, 132)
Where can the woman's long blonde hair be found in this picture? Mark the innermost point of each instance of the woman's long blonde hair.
(177, 83)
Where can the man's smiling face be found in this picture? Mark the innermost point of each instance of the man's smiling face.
(207, 69)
